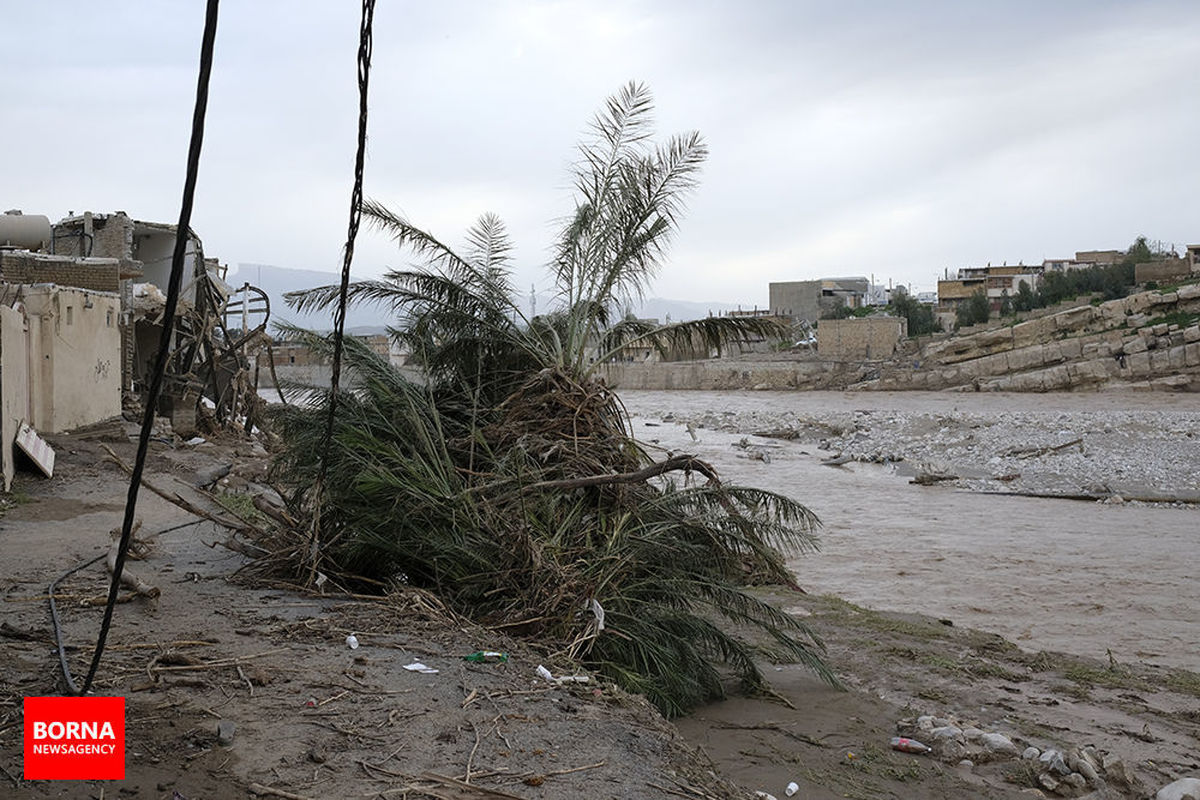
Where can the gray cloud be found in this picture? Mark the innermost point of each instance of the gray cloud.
(858, 137)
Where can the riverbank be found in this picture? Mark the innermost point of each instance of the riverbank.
(317, 719)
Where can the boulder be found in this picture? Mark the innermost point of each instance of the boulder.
(1182, 789)
(998, 744)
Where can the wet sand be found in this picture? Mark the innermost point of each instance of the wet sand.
(1080, 577)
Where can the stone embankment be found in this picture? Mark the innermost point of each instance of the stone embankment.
(1149, 340)
(1134, 341)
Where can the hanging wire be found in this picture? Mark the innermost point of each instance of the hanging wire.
(339, 317)
(164, 344)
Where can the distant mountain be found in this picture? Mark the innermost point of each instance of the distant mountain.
(364, 319)
(276, 281)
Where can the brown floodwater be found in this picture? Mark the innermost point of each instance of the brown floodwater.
(1081, 577)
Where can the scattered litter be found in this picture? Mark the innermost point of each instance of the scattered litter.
(546, 675)
(225, 730)
(905, 745)
(34, 446)
(764, 796)
(310, 702)
(195, 440)
(598, 612)
(486, 657)
(792, 788)
(417, 666)
(352, 642)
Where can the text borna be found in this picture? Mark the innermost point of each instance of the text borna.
(73, 730)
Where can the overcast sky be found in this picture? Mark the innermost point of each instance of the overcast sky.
(886, 138)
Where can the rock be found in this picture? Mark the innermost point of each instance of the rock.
(946, 732)
(940, 722)
(1048, 782)
(925, 723)
(225, 731)
(972, 734)
(999, 744)
(1082, 762)
(1088, 772)
(1055, 763)
(1030, 753)
(1182, 789)
(1076, 780)
(966, 762)
(949, 749)
(1116, 772)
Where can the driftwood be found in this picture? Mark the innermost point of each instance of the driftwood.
(130, 579)
(271, 791)
(673, 464)
(1033, 452)
(238, 525)
(930, 478)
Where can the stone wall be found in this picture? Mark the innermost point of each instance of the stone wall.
(866, 338)
(1164, 271)
(97, 274)
(1085, 347)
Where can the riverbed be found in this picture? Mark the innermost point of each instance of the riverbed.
(1087, 577)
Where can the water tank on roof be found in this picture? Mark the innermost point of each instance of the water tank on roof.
(28, 231)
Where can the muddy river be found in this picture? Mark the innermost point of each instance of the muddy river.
(1083, 577)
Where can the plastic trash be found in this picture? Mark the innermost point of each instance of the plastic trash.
(547, 675)
(906, 745)
(417, 666)
(352, 642)
(792, 788)
(486, 657)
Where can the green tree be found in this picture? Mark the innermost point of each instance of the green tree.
(1025, 299)
(509, 481)
(920, 317)
(974, 310)
(1006, 304)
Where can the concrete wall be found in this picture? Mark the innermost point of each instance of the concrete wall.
(98, 274)
(796, 299)
(74, 348)
(866, 338)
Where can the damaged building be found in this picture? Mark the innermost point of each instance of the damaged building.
(81, 306)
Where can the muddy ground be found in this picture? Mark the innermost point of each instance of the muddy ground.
(314, 718)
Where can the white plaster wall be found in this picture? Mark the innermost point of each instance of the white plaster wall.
(78, 350)
(14, 386)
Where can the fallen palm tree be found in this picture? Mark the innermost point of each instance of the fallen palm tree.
(508, 480)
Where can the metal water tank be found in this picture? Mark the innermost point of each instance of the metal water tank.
(29, 231)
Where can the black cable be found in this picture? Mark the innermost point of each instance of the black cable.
(356, 196)
(164, 344)
(50, 591)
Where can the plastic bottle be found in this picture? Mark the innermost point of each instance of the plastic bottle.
(905, 745)
(486, 657)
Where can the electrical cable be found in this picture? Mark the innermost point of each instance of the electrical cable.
(53, 587)
(168, 328)
(365, 45)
